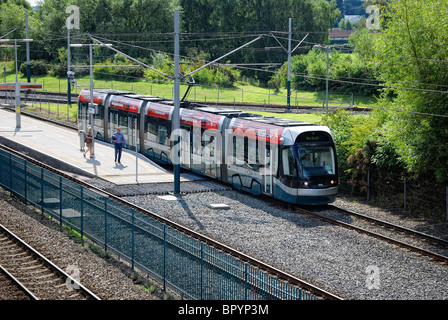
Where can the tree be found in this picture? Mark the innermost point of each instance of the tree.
(412, 55)
(114, 18)
(12, 16)
(237, 19)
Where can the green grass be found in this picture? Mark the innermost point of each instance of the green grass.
(241, 93)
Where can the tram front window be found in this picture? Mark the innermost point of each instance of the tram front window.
(316, 161)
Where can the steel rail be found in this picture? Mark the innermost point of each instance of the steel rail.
(259, 264)
(86, 292)
(20, 285)
(430, 254)
(393, 226)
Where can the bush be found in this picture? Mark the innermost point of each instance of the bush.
(223, 76)
(308, 72)
(124, 73)
(58, 70)
(37, 68)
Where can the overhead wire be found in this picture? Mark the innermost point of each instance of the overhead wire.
(229, 36)
(318, 77)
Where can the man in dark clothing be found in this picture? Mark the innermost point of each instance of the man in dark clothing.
(119, 143)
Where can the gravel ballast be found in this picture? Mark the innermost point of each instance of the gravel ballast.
(341, 261)
(109, 281)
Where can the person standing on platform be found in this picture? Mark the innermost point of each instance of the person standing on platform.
(119, 143)
(89, 143)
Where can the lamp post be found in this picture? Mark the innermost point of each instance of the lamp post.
(91, 108)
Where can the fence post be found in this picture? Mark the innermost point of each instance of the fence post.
(368, 183)
(60, 201)
(10, 172)
(202, 268)
(42, 190)
(446, 202)
(26, 184)
(105, 224)
(404, 193)
(245, 280)
(164, 257)
(133, 243)
(82, 212)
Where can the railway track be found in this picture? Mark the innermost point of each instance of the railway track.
(34, 275)
(11, 288)
(61, 98)
(400, 236)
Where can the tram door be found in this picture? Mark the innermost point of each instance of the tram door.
(209, 154)
(132, 137)
(267, 172)
(196, 155)
(127, 124)
(185, 141)
(113, 123)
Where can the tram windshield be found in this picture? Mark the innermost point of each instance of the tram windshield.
(316, 161)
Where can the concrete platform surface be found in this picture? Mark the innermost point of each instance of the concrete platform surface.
(63, 145)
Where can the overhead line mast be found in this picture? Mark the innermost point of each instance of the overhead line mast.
(177, 77)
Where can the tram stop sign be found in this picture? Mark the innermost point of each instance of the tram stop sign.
(17, 86)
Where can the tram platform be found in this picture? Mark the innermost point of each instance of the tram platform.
(60, 148)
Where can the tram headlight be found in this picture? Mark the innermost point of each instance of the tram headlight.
(281, 140)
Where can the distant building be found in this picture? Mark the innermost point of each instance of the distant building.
(339, 34)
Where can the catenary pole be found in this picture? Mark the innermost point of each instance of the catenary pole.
(91, 106)
(326, 82)
(69, 93)
(176, 119)
(27, 44)
(288, 84)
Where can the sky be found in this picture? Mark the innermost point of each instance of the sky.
(33, 3)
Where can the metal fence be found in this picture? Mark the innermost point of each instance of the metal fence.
(423, 197)
(191, 267)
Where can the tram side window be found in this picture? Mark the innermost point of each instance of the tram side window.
(263, 155)
(163, 132)
(238, 151)
(288, 163)
(132, 123)
(123, 123)
(82, 111)
(151, 129)
(99, 117)
(252, 154)
(207, 144)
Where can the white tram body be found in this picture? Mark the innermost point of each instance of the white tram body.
(288, 160)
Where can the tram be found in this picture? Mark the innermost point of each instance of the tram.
(289, 160)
